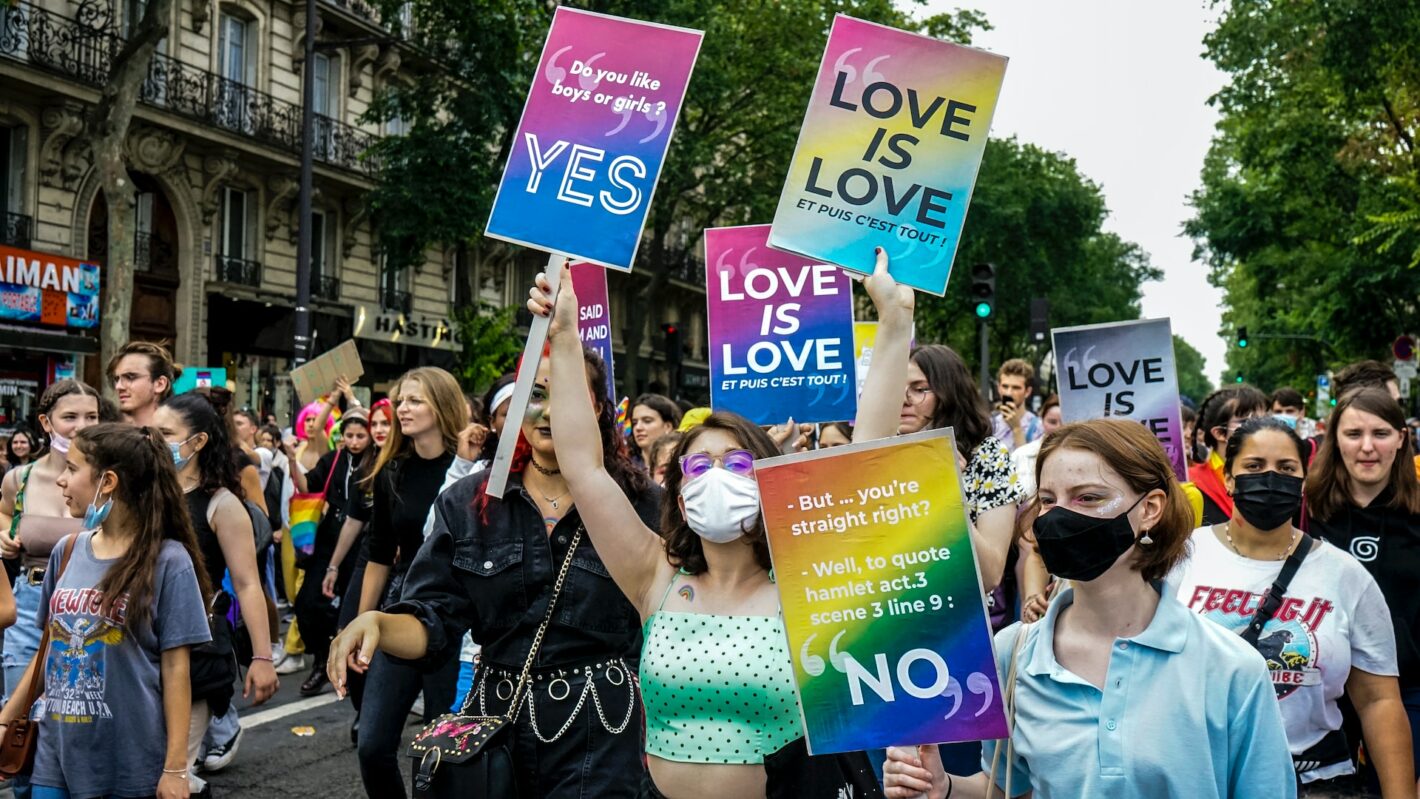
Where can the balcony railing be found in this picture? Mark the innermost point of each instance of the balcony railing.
(396, 300)
(83, 48)
(325, 287)
(16, 230)
(238, 271)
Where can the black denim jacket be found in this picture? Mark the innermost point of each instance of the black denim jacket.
(495, 579)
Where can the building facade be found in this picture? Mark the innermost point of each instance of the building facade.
(214, 152)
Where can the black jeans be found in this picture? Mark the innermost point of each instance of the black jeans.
(349, 609)
(390, 692)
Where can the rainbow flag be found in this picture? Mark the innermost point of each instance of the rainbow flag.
(623, 415)
(305, 513)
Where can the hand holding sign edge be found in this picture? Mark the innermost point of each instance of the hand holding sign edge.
(540, 302)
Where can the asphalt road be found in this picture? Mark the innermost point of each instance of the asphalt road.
(273, 762)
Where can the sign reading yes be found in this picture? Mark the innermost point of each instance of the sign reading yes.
(593, 136)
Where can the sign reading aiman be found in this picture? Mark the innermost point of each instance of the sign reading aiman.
(414, 329)
(48, 289)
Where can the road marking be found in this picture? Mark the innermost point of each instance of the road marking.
(278, 713)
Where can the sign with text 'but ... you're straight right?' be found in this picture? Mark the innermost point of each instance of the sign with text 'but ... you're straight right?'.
(881, 596)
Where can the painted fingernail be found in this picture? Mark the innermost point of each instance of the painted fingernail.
(877, 250)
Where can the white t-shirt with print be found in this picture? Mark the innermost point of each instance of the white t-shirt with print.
(1333, 619)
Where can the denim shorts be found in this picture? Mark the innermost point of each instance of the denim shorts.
(22, 637)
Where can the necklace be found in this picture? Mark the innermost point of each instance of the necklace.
(543, 470)
(1228, 534)
(552, 500)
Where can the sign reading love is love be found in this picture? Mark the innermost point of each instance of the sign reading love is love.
(1123, 369)
(888, 153)
(781, 331)
(589, 148)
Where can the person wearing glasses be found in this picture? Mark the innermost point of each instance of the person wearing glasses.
(487, 568)
(142, 375)
(716, 674)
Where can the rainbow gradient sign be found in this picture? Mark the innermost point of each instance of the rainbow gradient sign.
(1123, 369)
(781, 331)
(888, 153)
(881, 597)
(590, 145)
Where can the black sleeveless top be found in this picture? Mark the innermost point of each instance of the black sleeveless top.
(207, 543)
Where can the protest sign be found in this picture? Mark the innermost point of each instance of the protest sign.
(316, 376)
(781, 331)
(881, 597)
(888, 152)
(594, 316)
(194, 377)
(590, 144)
(1122, 369)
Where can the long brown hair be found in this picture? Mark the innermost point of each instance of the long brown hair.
(1134, 454)
(149, 494)
(684, 549)
(1328, 488)
(959, 404)
(443, 394)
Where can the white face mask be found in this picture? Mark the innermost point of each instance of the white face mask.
(720, 506)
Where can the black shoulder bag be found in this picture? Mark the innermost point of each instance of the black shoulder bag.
(466, 756)
(1333, 747)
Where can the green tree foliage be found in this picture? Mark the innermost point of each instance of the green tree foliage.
(1039, 220)
(727, 160)
(490, 343)
(1192, 382)
(1310, 193)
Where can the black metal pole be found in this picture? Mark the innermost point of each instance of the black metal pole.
(303, 247)
(984, 334)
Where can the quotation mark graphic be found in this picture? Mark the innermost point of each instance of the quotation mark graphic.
(870, 73)
(813, 664)
(977, 683)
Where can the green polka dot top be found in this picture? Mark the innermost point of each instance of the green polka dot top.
(717, 689)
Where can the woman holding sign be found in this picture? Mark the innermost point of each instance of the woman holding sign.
(1119, 691)
(716, 674)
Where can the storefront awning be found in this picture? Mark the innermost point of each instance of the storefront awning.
(41, 340)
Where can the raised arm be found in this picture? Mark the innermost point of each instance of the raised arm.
(631, 551)
(880, 407)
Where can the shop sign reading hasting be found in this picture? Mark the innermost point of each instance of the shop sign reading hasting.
(416, 330)
(48, 289)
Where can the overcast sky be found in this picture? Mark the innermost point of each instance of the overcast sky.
(1120, 86)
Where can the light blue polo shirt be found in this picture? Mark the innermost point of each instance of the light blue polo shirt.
(1187, 711)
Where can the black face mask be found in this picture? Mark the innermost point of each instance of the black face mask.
(1267, 500)
(1079, 547)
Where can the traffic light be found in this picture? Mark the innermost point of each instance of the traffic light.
(673, 345)
(1239, 378)
(983, 290)
(1242, 338)
(1039, 320)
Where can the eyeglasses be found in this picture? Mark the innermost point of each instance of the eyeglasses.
(129, 378)
(915, 394)
(736, 461)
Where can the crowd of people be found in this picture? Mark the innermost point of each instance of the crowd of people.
(1253, 631)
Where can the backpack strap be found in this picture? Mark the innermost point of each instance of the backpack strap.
(1273, 601)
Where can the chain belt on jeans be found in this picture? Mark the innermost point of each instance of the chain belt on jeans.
(559, 689)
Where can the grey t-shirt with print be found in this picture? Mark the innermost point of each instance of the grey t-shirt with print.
(102, 731)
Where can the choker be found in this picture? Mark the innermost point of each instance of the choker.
(544, 471)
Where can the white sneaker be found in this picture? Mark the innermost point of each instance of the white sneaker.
(278, 654)
(222, 756)
(291, 664)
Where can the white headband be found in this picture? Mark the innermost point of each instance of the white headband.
(504, 394)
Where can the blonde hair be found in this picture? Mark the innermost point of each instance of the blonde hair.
(443, 394)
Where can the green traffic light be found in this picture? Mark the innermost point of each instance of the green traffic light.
(983, 310)
(1242, 342)
(1239, 379)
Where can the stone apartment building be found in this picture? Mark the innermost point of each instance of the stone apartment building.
(214, 150)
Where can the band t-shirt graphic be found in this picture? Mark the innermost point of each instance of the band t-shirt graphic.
(102, 730)
(1332, 619)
